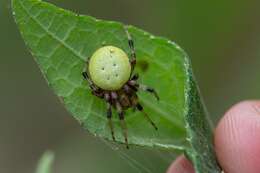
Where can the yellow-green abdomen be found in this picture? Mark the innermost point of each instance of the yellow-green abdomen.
(109, 68)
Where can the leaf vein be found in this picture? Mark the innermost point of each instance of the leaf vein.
(51, 34)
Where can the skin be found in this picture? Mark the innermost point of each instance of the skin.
(237, 141)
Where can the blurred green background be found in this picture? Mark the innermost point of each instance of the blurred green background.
(221, 37)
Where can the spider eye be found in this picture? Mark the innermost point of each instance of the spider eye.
(109, 68)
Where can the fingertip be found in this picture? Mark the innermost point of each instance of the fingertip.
(181, 165)
(237, 138)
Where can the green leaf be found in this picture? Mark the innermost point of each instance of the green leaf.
(45, 163)
(61, 41)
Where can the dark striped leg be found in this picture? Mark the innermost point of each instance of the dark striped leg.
(135, 77)
(95, 90)
(132, 83)
(86, 77)
(107, 97)
(109, 118)
(122, 122)
(91, 84)
(149, 89)
(132, 48)
(140, 108)
(135, 86)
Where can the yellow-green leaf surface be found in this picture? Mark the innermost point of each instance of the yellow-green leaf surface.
(61, 41)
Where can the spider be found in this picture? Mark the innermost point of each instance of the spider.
(109, 73)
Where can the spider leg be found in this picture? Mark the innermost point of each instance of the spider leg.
(132, 83)
(85, 74)
(95, 90)
(149, 89)
(132, 48)
(135, 77)
(135, 86)
(141, 109)
(109, 117)
(107, 97)
(86, 77)
(121, 115)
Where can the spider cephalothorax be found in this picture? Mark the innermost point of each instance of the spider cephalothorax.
(109, 73)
